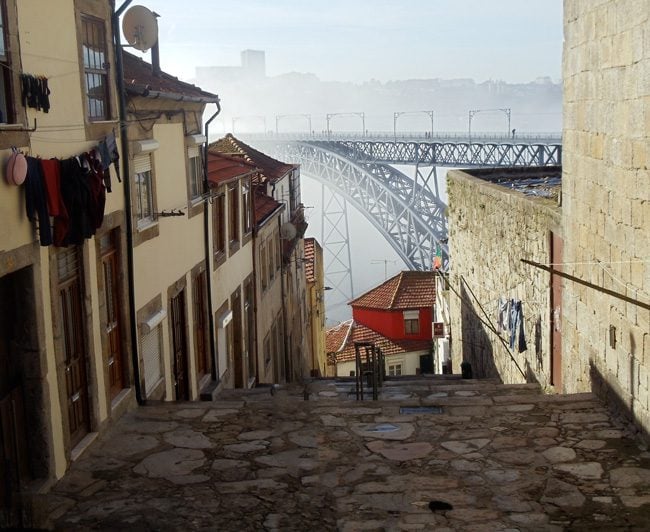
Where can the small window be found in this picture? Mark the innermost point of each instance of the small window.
(246, 208)
(233, 206)
(143, 190)
(195, 173)
(411, 322)
(395, 370)
(271, 247)
(263, 262)
(6, 99)
(219, 229)
(95, 62)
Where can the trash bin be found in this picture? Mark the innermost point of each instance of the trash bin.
(466, 370)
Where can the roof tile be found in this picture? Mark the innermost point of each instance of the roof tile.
(343, 344)
(138, 73)
(406, 290)
(271, 168)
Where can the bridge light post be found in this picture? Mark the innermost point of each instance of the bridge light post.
(361, 115)
(279, 117)
(506, 110)
(236, 119)
(400, 113)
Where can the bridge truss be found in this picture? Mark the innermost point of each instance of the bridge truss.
(407, 212)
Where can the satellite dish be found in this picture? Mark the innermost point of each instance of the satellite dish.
(140, 28)
(287, 231)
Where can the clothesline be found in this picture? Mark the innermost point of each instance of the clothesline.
(71, 191)
(539, 307)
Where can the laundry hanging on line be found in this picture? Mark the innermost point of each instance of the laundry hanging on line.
(35, 92)
(72, 191)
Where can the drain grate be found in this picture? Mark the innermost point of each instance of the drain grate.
(420, 410)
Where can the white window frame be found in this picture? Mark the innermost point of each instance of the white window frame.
(195, 174)
(411, 316)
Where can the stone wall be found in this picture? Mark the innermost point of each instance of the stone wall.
(606, 191)
(491, 228)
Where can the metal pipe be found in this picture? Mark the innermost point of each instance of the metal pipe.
(206, 241)
(135, 359)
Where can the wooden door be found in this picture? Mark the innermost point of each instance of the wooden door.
(74, 344)
(113, 325)
(556, 312)
(14, 450)
(238, 348)
(179, 347)
(203, 365)
(249, 327)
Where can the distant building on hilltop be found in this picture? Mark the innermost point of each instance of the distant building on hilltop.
(252, 68)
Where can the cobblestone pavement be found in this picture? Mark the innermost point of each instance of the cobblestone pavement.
(494, 457)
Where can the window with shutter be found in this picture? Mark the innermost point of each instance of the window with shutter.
(150, 347)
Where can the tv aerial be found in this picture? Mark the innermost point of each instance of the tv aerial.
(140, 28)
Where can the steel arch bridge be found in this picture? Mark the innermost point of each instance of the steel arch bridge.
(408, 212)
(405, 212)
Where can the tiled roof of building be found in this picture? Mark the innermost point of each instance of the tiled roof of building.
(309, 259)
(139, 79)
(264, 205)
(336, 337)
(343, 344)
(271, 168)
(406, 290)
(222, 168)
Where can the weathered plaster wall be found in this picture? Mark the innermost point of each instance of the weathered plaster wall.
(492, 228)
(606, 190)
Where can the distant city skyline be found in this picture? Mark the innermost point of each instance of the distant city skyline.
(361, 40)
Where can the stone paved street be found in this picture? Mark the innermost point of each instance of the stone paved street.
(494, 457)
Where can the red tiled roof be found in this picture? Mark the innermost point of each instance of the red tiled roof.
(264, 205)
(344, 347)
(271, 168)
(309, 259)
(335, 337)
(139, 79)
(407, 290)
(222, 168)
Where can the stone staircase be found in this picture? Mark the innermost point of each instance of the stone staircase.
(433, 453)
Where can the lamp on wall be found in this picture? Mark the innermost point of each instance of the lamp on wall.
(320, 293)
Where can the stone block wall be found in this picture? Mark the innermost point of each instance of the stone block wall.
(606, 200)
(491, 228)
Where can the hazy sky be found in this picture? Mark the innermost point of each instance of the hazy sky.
(358, 40)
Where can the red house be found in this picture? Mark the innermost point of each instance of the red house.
(397, 317)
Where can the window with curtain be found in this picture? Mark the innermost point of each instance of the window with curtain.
(143, 181)
(195, 173)
(411, 322)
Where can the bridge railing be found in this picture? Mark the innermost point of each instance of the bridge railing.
(406, 136)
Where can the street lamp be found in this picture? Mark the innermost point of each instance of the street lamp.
(505, 110)
(236, 119)
(361, 115)
(278, 117)
(400, 113)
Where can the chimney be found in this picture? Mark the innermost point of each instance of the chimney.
(155, 60)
